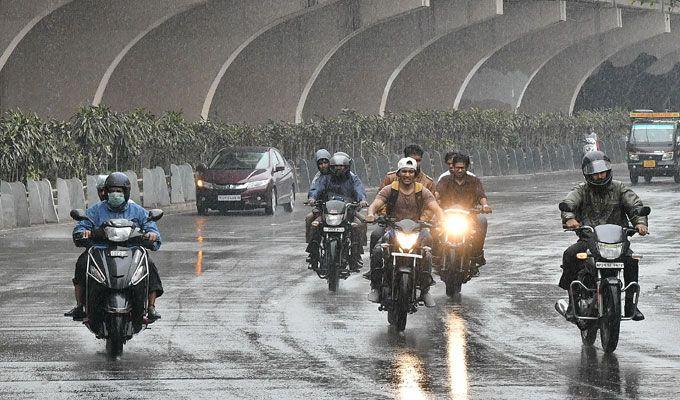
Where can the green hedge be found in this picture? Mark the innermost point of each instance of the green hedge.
(97, 139)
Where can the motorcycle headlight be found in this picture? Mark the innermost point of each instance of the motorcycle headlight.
(668, 155)
(333, 219)
(633, 157)
(610, 251)
(141, 273)
(257, 184)
(456, 225)
(117, 234)
(407, 240)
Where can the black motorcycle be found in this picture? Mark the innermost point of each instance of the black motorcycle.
(335, 246)
(596, 294)
(404, 257)
(117, 284)
(454, 238)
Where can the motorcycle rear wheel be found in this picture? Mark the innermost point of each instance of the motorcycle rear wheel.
(116, 339)
(610, 322)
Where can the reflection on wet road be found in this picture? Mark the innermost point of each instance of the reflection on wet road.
(244, 318)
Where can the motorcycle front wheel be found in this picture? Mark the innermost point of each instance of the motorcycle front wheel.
(331, 262)
(116, 338)
(454, 274)
(610, 322)
(399, 311)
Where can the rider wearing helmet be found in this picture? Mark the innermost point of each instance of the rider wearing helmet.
(339, 182)
(322, 158)
(601, 200)
(117, 204)
(404, 199)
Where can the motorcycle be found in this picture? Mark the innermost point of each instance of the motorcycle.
(596, 294)
(117, 284)
(403, 265)
(456, 267)
(336, 239)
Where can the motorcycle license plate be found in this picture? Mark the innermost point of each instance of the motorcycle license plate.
(609, 265)
(649, 163)
(331, 229)
(228, 197)
(117, 253)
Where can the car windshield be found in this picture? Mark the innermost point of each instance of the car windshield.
(237, 159)
(649, 133)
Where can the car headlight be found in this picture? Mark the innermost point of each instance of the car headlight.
(610, 251)
(117, 234)
(456, 225)
(407, 240)
(633, 157)
(257, 184)
(333, 219)
(203, 184)
(667, 155)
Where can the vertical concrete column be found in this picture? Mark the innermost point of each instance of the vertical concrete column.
(188, 182)
(436, 77)
(18, 193)
(150, 196)
(501, 80)
(134, 187)
(161, 187)
(35, 208)
(176, 185)
(63, 200)
(555, 87)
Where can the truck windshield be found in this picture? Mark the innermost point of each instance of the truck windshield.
(652, 133)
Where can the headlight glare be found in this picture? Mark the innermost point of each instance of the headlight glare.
(610, 251)
(633, 157)
(203, 184)
(407, 240)
(333, 219)
(456, 225)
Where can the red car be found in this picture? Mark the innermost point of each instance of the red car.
(245, 178)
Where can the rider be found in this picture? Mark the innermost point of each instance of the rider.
(117, 205)
(601, 200)
(450, 169)
(77, 312)
(323, 158)
(463, 190)
(404, 199)
(340, 182)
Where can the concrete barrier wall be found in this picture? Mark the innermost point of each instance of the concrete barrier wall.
(63, 200)
(134, 187)
(176, 185)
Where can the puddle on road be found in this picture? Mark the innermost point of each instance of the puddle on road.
(199, 238)
(412, 382)
(456, 333)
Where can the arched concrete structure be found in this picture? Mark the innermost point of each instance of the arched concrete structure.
(266, 79)
(174, 65)
(556, 86)
(355, 73)
(501, 81)
(665, 64)
(56, 67)
(436, 77)
(657, 46)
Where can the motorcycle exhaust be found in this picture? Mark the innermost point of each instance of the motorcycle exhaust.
(561, 307)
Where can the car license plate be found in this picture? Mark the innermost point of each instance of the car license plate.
(330, 229)
(609, 265)
(228, 197)
(649, 163)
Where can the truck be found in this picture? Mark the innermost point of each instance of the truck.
(653, 145)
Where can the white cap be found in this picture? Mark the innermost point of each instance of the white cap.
(407, 162)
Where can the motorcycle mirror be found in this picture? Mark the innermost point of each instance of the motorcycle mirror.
(644, 211)
(201, 168)
(155, 214)
(563, 206)
(78, 215)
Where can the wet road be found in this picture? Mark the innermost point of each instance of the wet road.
(244, 318)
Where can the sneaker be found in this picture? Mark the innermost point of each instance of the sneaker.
(427, 299)
(77, 313)
(374, 296)
(152, 315)
(313, 262)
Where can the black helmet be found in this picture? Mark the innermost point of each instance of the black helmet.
(118, 179)
(340, 159)
(595, 162)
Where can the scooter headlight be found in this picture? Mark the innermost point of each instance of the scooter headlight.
(117, 234)
(456, 225)
(333, 219)
(141, 273)
(407, 240)
(94, 272)
(610, 251)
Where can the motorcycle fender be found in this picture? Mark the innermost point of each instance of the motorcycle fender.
(405, 270)
(118, 303)
(612, 281)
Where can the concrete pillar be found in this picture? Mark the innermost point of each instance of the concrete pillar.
(84, 36)
(436, 77)
(555, 87)
(501, 80)
(355, 73)
(268, 76)
(179, 61)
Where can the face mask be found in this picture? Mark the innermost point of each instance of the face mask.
(116, 199)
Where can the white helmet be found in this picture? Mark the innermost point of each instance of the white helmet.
(407, 162)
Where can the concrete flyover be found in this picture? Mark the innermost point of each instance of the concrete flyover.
(57, 64)
(556, 86)
(501, 81)
(268, 76)
(175, 66)
(436, 76)
(354, 75)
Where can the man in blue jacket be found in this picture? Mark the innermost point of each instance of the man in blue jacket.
(340, 182)
(117, 204)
